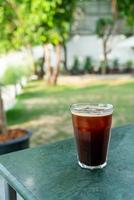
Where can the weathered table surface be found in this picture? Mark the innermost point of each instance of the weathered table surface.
(51, 171)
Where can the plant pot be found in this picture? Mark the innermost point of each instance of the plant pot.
(16, 144)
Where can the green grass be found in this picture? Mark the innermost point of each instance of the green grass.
(45, 110)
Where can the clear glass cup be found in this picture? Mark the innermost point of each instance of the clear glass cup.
(92, 130)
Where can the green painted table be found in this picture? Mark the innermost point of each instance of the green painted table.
(51, 172)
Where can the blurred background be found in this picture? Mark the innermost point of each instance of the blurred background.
(57, 52)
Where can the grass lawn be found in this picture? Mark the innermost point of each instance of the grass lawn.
(45, 110)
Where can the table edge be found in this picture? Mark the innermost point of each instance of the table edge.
(13, 182)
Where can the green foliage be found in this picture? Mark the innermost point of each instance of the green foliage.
(126, 10)
(14, 74)
(115, 63)
(102, 25)
(39, 68)
(88, 68)
(31, 22)
(42, 21)
(76, 66)
(129, 64)
(7, 26)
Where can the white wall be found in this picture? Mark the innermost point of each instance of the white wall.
(82, 46)
(78, 46)
(9, 93)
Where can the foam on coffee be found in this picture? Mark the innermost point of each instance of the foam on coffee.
(93, 110)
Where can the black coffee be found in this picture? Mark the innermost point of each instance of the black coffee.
(92, 138)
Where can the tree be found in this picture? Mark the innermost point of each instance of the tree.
(39, 22)
(63, 19)
(46, 22)
(54, 28)
(104, 29)
(25, 23)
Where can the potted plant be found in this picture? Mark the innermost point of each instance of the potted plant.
(11, 139)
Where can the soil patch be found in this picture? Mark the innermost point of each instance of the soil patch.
(12, 134)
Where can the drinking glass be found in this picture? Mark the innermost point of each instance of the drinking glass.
(92, 130)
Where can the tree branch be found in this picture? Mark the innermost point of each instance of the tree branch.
(13, 6)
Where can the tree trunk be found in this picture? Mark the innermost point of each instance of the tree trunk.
(41, 71)
(56, 70)
(3, 128)
(48, 63)
(105, 63)
(114, 9)
(65, 56)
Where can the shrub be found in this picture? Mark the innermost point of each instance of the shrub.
(39, 68)
(115, 63)
(88, 68)
(14, 74)
(11, 75)
(128, 66)
(76, 66)
(115, 66)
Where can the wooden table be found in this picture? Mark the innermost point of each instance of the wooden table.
(51, 172)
